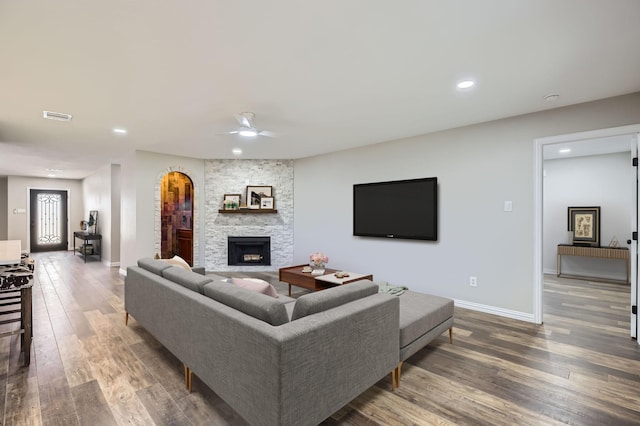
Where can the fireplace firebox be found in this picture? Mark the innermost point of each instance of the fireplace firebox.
(249, 250)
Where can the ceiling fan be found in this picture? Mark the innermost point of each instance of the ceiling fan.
(247, 128)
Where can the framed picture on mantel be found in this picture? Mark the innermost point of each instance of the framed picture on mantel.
(266, 203)
(584, 223)
(255, 194)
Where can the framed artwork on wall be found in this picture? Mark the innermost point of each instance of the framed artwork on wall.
(584, 223)
(255, 193)
(93, 221)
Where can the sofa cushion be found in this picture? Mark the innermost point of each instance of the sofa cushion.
(257, 285)
(188, 279)
(319, 301)
(420, 313)
(153, 265)
(257, 305)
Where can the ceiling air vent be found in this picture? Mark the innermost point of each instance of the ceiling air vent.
(59, 116)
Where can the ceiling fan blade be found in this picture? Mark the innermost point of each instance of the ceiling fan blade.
(267, 134)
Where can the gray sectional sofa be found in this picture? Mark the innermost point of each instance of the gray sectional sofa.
(275, 363)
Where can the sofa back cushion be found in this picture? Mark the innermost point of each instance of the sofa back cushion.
(319, 301)
(257, 305)
(188, 279)
(153, 265)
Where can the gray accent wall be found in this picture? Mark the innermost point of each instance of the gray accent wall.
(232, 177)
(478, 168)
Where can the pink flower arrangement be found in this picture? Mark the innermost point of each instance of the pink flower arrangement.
(319, 258)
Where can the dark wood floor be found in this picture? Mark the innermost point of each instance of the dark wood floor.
(87, 368)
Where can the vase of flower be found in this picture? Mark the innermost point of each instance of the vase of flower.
(318, 261)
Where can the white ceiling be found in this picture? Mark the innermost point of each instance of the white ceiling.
(325, 76)
(586, 147)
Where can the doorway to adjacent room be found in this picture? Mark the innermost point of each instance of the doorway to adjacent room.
(176, 204)
(633, 133)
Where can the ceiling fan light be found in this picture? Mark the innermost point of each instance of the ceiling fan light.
(249, 133)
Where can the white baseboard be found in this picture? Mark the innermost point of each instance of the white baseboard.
(123, 272)
(522, 316)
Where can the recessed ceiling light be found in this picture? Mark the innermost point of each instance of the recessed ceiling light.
(51, 175)
(120, 131)
(564, 151)
(236, 151)
(551, 97)
(465, 84)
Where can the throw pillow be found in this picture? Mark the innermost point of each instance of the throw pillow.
(178, 261)
(257, 285)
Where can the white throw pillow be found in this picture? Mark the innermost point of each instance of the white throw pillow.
(178, 261)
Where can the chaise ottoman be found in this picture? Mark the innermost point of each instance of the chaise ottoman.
(423, 317)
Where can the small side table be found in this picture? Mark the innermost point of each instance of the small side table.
(86, 237)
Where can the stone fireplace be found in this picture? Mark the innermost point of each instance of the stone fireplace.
(249, 251)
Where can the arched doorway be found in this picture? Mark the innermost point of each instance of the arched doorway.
(176, 229)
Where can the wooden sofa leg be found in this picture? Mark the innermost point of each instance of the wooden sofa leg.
(395, 376)
(126, 318)
(188, 377)
(451, 335)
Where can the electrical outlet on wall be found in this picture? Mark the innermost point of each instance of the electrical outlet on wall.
(473, 281)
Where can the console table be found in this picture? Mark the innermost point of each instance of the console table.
(293, 275)
(619, 253)
(86, 237)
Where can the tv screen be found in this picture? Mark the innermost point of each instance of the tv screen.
(405, 209)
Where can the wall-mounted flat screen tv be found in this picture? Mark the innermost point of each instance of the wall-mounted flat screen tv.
(406, 209)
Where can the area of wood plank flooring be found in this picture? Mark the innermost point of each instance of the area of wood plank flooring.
(88, 368)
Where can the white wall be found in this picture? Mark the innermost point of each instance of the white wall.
(101, 192)
(602, 180)
(4, 210)
(478, 168)
(142, 172)
(116, 195)
(128, 249)
(18, 198)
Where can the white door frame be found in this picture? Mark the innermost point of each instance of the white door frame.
(538, 146)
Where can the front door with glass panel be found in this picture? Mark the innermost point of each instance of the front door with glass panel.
(48, 220)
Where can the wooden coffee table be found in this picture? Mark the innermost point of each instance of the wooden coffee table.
(293, 275)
